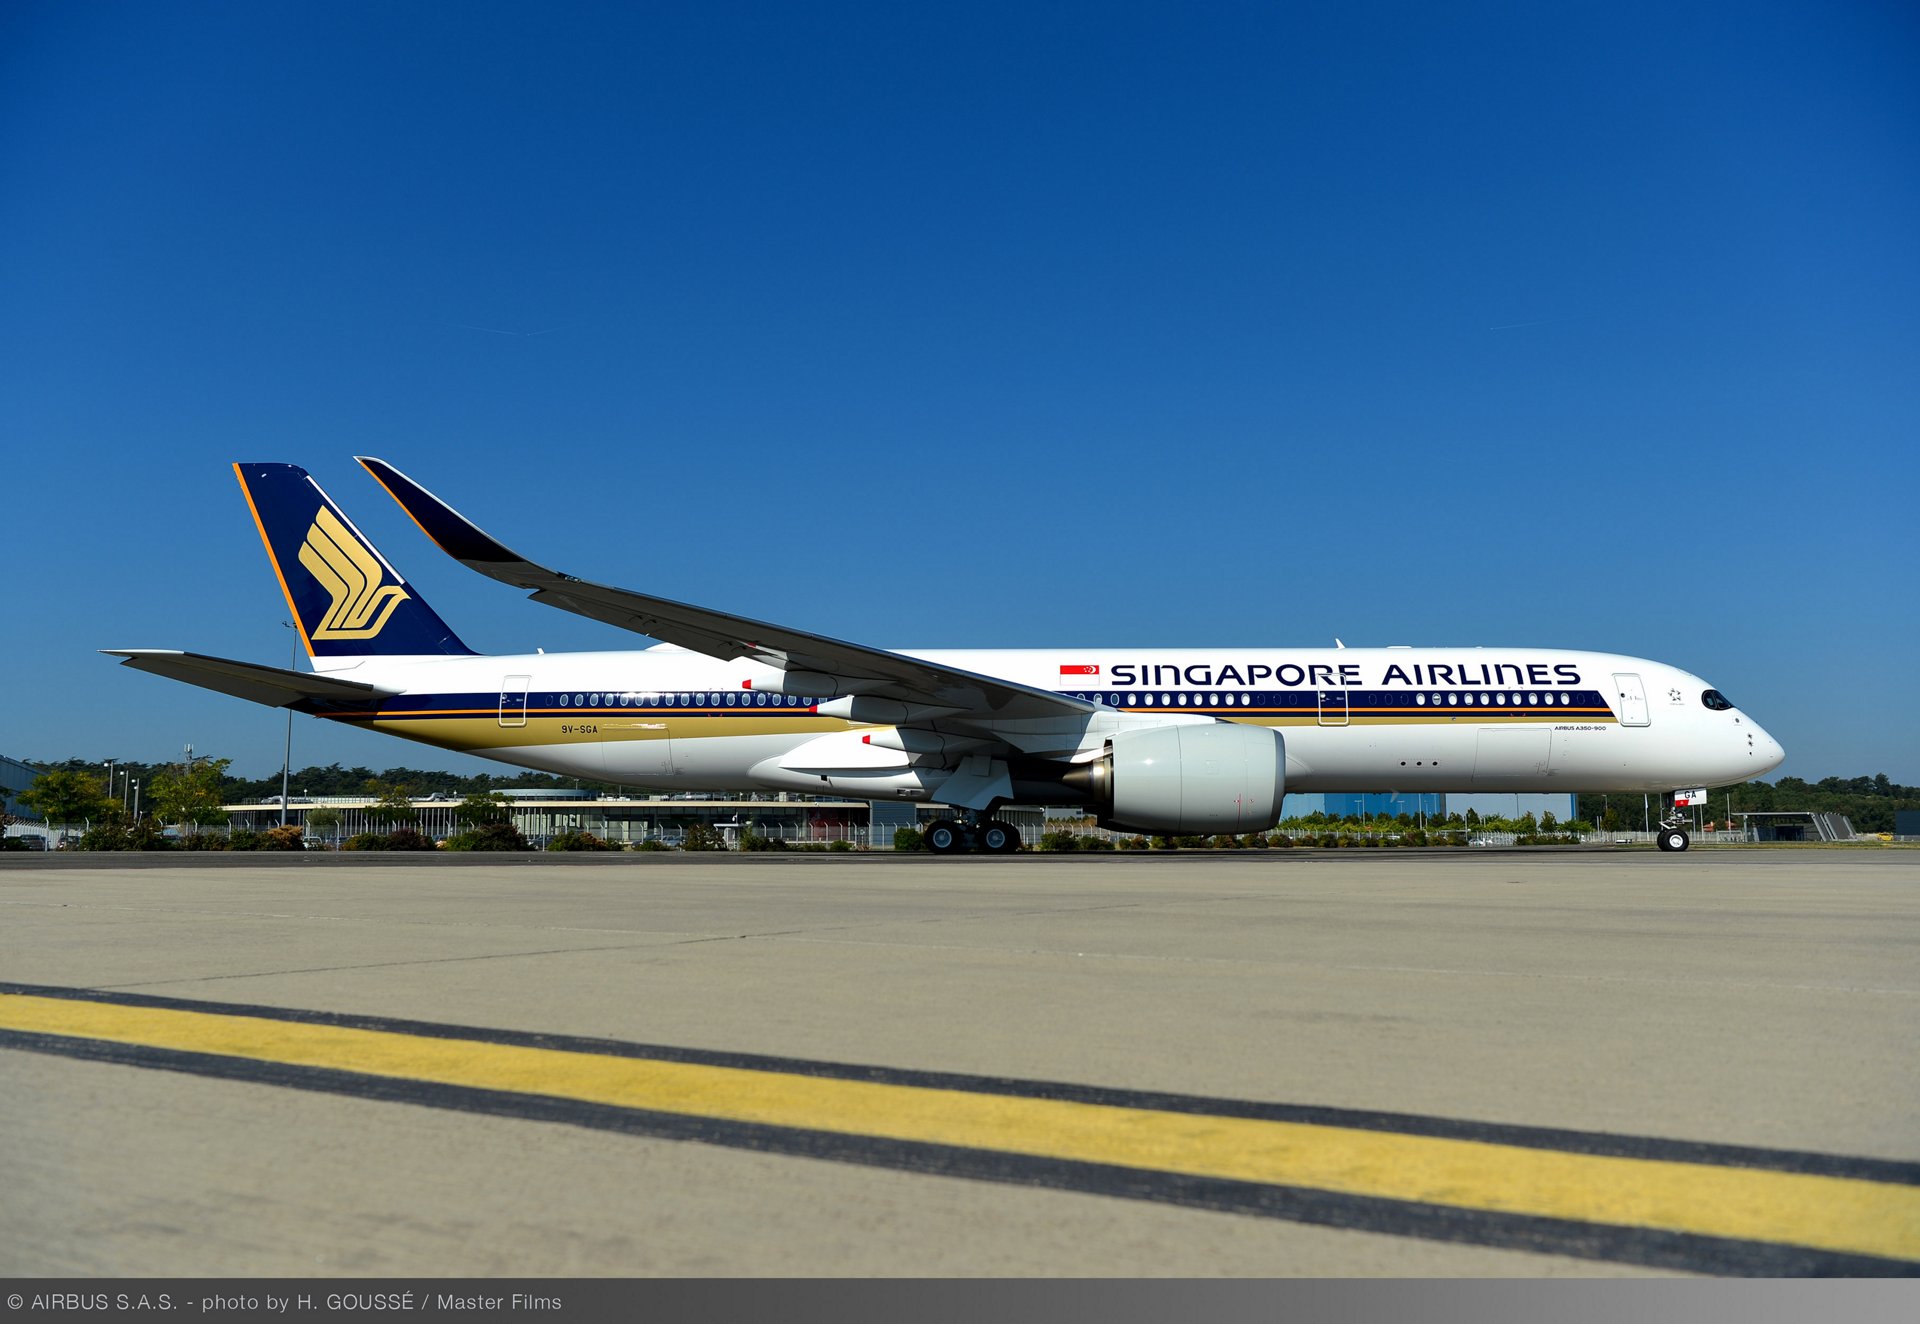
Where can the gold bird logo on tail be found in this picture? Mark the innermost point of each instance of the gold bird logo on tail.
(351, 575)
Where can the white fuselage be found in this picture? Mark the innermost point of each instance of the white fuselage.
(1395, 719)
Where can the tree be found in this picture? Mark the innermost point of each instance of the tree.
(701, 837)
(191, 796)
(65, 796)
(393, 805)
(324, 821)
(482, 807)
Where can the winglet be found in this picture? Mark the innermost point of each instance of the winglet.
(452, 532)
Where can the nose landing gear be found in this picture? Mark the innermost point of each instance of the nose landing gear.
(1673, 832)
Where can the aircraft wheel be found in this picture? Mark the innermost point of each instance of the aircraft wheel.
(997, 838)
(944, 837)
(1674, 839)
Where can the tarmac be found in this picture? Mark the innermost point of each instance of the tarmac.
(1336, 1064)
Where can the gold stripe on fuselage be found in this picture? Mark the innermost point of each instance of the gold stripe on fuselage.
(479, 728)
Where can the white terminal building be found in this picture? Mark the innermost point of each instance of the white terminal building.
(544, 813)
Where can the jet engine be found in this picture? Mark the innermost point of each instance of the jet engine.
(1222, 778)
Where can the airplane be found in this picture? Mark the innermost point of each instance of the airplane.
(1159, 740)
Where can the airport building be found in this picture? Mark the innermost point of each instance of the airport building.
(1504, 804)
(1429, 804)
(1339, 804)
(628, 820)
(16, 777)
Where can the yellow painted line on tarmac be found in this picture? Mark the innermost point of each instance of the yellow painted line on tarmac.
(1841, 1214)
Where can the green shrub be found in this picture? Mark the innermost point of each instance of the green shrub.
(909, 839)
(651, 843)
(581, 841)
(1094, 843)
(841, 845)
(489, 836)
(290, 836)
(399, 839)
(1059, 841)
(106, 837)
(1280, 841)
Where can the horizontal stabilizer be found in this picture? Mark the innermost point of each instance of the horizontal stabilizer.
(276, 687)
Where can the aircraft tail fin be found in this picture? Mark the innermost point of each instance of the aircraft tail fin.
(347, 600)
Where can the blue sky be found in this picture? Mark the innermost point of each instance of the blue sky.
(1565, 325)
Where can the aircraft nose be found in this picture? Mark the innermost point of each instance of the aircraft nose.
(1767, 751)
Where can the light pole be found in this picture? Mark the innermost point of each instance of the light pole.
(286, 762)
(136, 798)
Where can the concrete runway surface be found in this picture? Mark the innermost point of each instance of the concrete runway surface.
(1512, 1063)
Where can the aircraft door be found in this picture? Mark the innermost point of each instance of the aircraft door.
(1333, 707)
(652, 754)
(1632, 696)
(513, 701)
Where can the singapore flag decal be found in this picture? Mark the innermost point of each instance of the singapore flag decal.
(1083, 670)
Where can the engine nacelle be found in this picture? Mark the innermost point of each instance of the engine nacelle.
(1222, 778)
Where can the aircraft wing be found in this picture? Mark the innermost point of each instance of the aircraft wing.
(853, 668)
(274, 686)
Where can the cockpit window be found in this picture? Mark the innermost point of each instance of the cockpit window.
(1717, 701)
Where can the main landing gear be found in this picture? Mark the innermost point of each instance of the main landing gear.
(944, 836)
